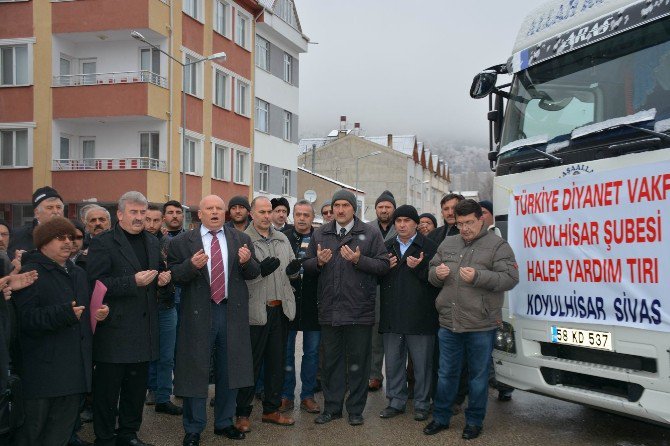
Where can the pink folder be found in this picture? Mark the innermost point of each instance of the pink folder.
(96, 302)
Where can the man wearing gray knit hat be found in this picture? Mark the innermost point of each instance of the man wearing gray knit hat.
(348, 256)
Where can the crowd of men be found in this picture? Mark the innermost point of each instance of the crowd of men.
(99, 319)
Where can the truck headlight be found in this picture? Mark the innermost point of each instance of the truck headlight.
(504, 338)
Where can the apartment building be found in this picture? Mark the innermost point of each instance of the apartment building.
(398, 163)
(279, 43)
(93, 111)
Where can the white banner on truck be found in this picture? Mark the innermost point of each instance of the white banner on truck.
(594, 248)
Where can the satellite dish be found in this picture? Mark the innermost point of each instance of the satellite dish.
(310, 196)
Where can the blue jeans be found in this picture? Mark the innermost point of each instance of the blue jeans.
(160, 371)
(309, 367)
(477, 347)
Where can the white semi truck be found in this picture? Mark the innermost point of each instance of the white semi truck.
(580, 147)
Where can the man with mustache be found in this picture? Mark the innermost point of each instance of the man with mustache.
(127, 261)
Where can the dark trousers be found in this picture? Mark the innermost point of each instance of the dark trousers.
(346, 361)
(268, 347)
(122, 384)
(195, 409)
(49, 421)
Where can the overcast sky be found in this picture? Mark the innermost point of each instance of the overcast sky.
(403, 67)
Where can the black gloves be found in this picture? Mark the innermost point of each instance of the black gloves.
(268, 265)
(293, 268)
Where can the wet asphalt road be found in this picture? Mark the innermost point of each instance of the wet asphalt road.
(526, 420)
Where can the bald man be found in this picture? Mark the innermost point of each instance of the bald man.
(211, 264)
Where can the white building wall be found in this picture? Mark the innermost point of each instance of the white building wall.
(275, 151)
(274, 90)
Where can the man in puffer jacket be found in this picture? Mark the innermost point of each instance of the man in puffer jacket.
(473, 270)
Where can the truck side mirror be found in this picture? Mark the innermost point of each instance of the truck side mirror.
(483, 84)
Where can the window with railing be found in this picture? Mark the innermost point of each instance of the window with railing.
(149, 145)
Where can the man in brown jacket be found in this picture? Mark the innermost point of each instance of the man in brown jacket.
(473, 270)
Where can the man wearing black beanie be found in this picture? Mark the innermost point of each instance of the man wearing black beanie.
(47, 204)
(280, 211)
(239, 209)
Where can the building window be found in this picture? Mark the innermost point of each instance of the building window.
(288, 67)
(222, 18)
(284, 10)
(192, 76)
(64, 152)
(262, 53)
(149, 145)
(288, 117)
(14, 66)
(242, 98)
(221, 92)
(286, 182)
(14, 148)
(241, 167)
(191, 156)
(150, 65)
(192, 8)
(264, 179)
(221, 163)
(242, 30)
(262, 115)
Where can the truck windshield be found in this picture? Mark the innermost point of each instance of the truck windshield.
(617, 77)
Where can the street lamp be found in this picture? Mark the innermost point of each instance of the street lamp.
(222, 56)
(375, 153)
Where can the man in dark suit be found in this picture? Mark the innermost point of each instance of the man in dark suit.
(127, 261)
(211, 264)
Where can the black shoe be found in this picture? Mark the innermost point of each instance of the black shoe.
(191, 440)
(134, 442)
(355, 419)
(230, 432)
(168, 408)
(434, 427)
(327, 417)
(471, 432)
(504, 396)
(211, 402)
(390, 412)
(76, 441)
(420, 415)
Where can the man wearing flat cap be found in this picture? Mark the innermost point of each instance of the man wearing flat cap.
(348, 256)
(47, 204)
(280, 210)
(239, 209)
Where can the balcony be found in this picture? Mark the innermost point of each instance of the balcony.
(103, 15)
(91, 164)
(115, 94)
(123, 77)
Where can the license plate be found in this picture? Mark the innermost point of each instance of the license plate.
(601, 340)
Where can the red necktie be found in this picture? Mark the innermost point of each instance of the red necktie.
(217, 283)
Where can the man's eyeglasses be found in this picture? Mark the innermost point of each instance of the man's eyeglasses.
(466, 224)
(63, 237)
(327, 213)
